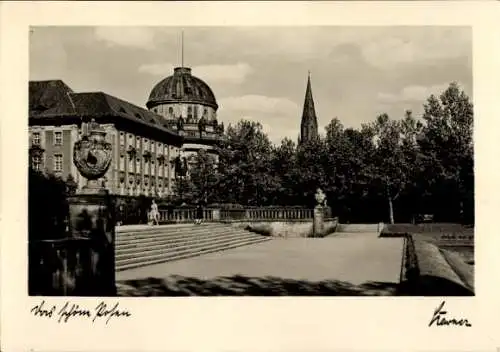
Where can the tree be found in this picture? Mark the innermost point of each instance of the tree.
(283, 172)
(392, 170)
(203, 177)
(245, 164)
(446, 143)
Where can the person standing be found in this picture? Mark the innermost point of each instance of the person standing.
(154, 213)
(199, 213)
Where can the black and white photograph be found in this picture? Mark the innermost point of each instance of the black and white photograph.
(251, 161)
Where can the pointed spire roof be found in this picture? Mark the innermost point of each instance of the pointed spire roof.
(309, 123)
(309, 112)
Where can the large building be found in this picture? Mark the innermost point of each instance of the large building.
(151, 147)
(188, 106)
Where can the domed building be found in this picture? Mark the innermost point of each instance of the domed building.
(188, 107)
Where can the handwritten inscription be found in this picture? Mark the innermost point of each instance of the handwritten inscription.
(69, 311)
(440, 318)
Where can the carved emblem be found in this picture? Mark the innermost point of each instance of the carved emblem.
(92, 154)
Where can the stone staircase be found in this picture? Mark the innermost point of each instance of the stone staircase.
(136, 247)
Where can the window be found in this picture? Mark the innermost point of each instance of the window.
(57, 138)
(190, 112)
(195, 112)
(122, 162)
(58, 162)
(205, 112)
(36, 138)
(37, 161)
(170, 112)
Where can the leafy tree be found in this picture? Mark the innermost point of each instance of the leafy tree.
(392, 172)
(245, 164)
(203, 177)
(446, 143)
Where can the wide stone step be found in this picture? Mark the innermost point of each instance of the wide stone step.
(169, 237)
(174, 245)
(161, 258)
(166, 230)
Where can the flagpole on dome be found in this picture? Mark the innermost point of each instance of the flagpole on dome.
(182, 48)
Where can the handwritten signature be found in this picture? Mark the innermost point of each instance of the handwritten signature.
(73, 310)
(439, 318)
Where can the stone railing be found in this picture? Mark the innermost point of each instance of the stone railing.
(180, 215)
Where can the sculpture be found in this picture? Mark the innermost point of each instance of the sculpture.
(202, 126)
(180, 124)
(92, 154)
(320, 197)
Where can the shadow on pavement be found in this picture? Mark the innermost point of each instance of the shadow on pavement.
(250, 286)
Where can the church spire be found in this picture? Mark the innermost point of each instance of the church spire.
(309, 123)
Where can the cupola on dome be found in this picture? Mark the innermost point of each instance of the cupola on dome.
(182, 87)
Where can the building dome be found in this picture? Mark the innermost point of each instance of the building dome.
(182, 87)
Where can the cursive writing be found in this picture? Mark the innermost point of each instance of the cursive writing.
(102, 311)
(439, 318)
(41, 311)
(70, 310)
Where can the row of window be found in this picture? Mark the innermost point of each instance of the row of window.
(148, 144)
(192, 111)
(58, 162)
(58, 139)
(138, 191)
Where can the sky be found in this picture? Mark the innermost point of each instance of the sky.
(260, 73)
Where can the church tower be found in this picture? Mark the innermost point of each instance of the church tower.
(309, 123)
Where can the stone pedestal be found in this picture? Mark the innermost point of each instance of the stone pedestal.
(92, 218)
(216, 214)
(318, 223)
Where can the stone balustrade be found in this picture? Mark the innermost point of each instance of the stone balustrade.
(180, 215)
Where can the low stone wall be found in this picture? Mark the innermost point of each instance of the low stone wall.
(286, 229)
(430, 271)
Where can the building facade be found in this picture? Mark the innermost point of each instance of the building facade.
(144, 148)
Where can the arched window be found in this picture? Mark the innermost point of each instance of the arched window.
(195, 112)
(170, 112)
(190, 112)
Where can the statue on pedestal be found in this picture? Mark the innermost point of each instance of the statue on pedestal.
(318, 212)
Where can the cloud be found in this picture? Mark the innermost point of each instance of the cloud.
(275, 129)
(226, 73)
(235, 74)
(410, 46)
(259, 103)
(138, 37)
(163, 69)
(412, 93)
(278, 116)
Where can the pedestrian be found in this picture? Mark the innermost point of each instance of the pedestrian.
(154, 213)
(199, 213)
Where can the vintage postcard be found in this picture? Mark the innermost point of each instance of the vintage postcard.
(249, 176)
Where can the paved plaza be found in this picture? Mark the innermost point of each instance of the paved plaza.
(355, 258)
